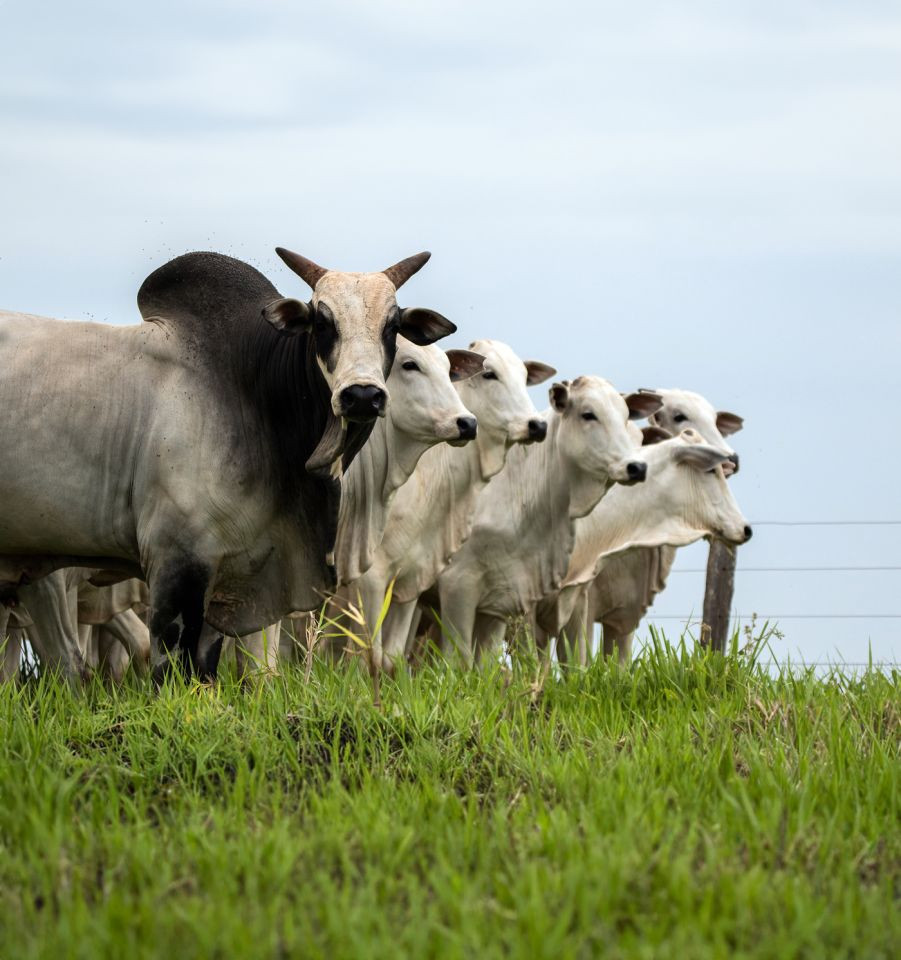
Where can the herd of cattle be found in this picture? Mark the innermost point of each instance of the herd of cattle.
(220, 468)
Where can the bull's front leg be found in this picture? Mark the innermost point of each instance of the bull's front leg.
(179, 590)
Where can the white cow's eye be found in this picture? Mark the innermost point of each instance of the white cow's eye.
(410, 365)
(679, 418)
(489, 375)
(588, 415)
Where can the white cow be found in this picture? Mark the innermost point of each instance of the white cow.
(425, 409)
(523, 532)
(686, 497)
(626, 588)
(431, 515)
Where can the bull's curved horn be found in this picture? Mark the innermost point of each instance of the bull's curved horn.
(311, 273)
(401, 272)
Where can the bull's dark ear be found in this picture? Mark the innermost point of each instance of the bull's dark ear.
(642, 404)
(537, 372)
(423, 326)
(464, 364)
(288, 314)
(559, 394)
(651, 435)
(728, 423)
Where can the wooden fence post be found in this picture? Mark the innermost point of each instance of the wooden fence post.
(718, 594)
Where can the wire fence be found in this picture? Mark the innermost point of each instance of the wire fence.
(695, 621)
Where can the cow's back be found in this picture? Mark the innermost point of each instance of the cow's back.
(78, 402)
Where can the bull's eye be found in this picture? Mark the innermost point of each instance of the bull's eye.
(588, 415)
(324, 317)
(489, 375)
(410, 365)
(679, 418)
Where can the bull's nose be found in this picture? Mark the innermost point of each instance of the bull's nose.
(537, 429)
(734, 460)
(467, 427)
(636, 471)
(748, 534)
(359, 402)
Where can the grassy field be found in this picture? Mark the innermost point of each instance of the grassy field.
(691, 806)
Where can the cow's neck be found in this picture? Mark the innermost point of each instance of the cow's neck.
(384, 464)
(491, 449)
(627, 518)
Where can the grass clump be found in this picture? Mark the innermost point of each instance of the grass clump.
(691, 805)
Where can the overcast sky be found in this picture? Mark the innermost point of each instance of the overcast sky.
(700, 195)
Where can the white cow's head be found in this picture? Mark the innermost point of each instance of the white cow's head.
(424, 404)
(499, 397)
(354, 319)
(690, 485)
(595, 431)
(683, 409)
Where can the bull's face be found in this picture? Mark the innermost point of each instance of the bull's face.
(354, 320)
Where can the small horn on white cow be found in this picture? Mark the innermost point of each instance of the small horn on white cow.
(311, 273)
(401, 272)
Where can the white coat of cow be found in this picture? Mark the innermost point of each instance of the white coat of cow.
(431, 515)
(523, 530)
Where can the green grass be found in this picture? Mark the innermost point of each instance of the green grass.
(692, 806)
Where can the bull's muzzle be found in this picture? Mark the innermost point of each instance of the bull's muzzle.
(362, 403)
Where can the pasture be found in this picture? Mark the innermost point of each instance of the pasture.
(690, 805)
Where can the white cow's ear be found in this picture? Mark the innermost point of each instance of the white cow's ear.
(701, 456)
(288, 314)
(423, 326)
(537, 372)
(728, 423)
(464, 364)
(559, 394)
(643, 404)
(651, 435)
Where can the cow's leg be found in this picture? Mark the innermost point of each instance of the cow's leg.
(395, 632)
(53, 633)
(112, 656)
(178, 590)
(459, 594)
(10, 651)
(575, 636)
(258, 652)
(131, 631)
(621, 643)
(489, 638)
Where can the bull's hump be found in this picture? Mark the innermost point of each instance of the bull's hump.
(204, 288)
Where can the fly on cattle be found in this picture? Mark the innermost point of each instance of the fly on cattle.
(202, 448)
